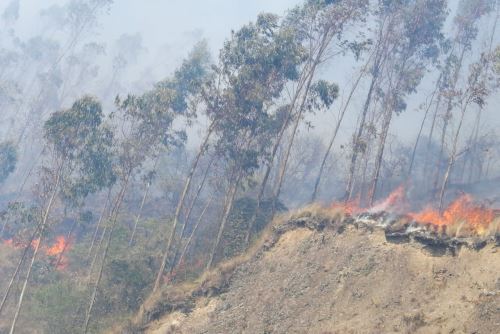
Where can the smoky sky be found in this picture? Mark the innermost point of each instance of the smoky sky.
(157, 34)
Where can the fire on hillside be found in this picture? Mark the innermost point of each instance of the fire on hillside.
(464, 217)
(54, 252)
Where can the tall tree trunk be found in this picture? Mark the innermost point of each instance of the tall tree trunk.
(327, 37)
(189, 211)
(114, 220)
(227, 210)
(180, 205)
(274, 151)
(138, 216)
(99, 222)
(419, 135)
(380, 155)
(357, 140)
(431, 135)
(447, 116)
(477, 125)
(143, 201)
(263, 184)
(335, 132)
(193, 233)
(452, 159)
(19, 265)
(37, 247)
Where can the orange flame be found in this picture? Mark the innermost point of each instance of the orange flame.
(396, 201)
(350, 207)
(55, 251)
(461, 211)
(58, 247)
(462, 215)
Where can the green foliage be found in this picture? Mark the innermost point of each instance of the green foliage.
(84, 146)
(17, 219)
(68, 130)
(152, 114)
(8, 160)
(322, 95)
(189, 78)
(54, 306)
(255, 65)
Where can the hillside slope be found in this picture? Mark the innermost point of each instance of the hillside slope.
(316, 274)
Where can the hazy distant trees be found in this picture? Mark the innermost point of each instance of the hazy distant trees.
(8, 160)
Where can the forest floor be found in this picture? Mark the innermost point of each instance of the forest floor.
(312, 279)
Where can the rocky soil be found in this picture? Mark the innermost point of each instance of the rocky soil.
(315, 275)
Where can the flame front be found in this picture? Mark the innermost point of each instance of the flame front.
(462, 217)
(55, 251)
(461, 213)
(58, 247)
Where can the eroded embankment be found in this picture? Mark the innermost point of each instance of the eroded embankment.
(320, 272)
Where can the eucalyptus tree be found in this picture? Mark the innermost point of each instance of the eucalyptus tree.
(475, 156)
(403, 43)
(78, 164)
(412, 41)
(253, 66)
(148, 130)
(315, 24)
(256, 64)
(481, 82)
(466, 21)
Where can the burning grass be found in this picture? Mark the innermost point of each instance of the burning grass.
(54, 252)
(464, 217)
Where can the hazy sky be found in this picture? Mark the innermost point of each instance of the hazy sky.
(169, 28)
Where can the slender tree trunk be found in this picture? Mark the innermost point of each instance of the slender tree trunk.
(475, 134)
(310, 75)
(180, 204)
(138, 216)
(380, 155)
(357, 140)
(68, 238)
(447, 116)
(453, 156)
(99, 222)
(96, 254)
(190, 210)
(227, 210)
(362, 186)
(431, 135)
(113, 222)
(263, 184)
(419, 135)
(335, 132)
(193, 233)
(270, 163)
(37, 248)
(146, 193)
(19, 265)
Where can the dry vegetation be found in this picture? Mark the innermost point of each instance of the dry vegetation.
(312, 272)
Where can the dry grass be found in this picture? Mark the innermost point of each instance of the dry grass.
(182, 296)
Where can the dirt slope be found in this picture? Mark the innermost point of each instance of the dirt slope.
(331, 278)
